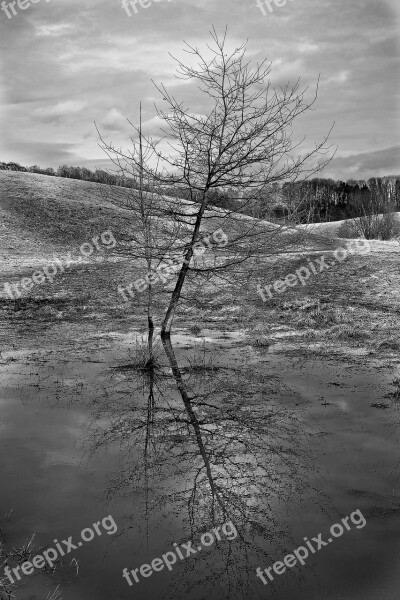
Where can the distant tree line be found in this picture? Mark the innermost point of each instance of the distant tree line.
(324, 200)
(318, 200)
(80, 173)
(310, 201)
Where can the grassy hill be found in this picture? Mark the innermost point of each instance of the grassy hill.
(331, 229)
(43, 218)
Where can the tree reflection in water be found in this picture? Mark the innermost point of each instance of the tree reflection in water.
(206, 445)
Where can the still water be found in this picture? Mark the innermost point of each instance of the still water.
(280, 446)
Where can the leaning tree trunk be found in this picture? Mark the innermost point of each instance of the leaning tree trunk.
(176, 294)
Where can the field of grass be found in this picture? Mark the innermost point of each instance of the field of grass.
(354, 305)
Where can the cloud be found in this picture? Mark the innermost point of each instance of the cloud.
(340, 77)
(67, 63)
(60, 111)
(114, 120)
(305, 47)
(48, 153)
(53, 30)
(365, 165)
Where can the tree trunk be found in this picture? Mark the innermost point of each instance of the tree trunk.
(176, 294)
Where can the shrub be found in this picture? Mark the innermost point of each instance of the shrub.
(371, 227)
(12, 166)
(379, 227)
(389, 226)
(348, 230)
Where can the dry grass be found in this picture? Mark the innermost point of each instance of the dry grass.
(354, 303)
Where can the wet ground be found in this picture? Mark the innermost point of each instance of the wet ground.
(283, 444)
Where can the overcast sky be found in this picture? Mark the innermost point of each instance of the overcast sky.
(66, 64)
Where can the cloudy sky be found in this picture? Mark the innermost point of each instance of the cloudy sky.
(66, 64)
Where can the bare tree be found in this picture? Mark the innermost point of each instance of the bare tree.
(153, 240)
(243, 143)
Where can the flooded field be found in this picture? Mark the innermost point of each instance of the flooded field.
(280, 443)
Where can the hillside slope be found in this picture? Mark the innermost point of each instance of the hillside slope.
(332, 228)
(42, 216)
